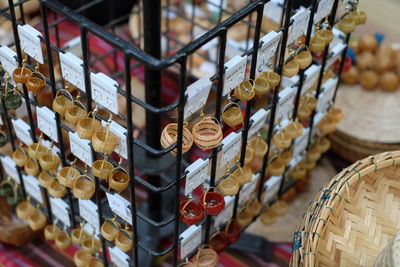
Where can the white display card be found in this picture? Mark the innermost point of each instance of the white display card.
(299, 26)
(336, 53)
(327, 95)
(104, 91)
(30, 42)
(81, 148)
(197, 94)
(120, 206)
(267, 50)
(88, 211)
(301, 142)
(234, 73)
(23, 131)
(315, 130)
(271, 188)
(310, 77)
(324, 9)
(121, 132)
(226, 214)
(47, 122)
(230, 147)
(190, 240)
(259, 119)
(72, 69)
(8, 59)
(60, 209)
(248, 190)
(286, 103)
(10, 168)
(197, 174)
(273, 11)
(118, 257)
(32, 186)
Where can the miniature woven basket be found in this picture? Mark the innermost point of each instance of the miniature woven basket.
(353, 217)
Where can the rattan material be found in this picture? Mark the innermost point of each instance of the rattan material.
(389, 256)
(354, 217)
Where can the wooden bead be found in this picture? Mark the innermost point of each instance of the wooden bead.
(388, 81)
(351, 77)
(368, 42)
(369, 79)
(366, 60)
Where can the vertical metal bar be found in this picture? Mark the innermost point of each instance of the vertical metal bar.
(131, 164)
(43, 9)
(88, 92)
(341, 65)
(220, 84)
(288, 8)
(321, 73)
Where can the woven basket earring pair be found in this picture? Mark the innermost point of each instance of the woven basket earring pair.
(34, 81)
(112, 231)
(12, 97)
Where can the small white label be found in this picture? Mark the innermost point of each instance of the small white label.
(88, 211)
(310, 77)
(324, 9)
(226, 213)
(285, 104)
(197, 94)
(1, 121)
(60, 209)
(234, 74)
(301, 142)
(273, 11)
(8, 59)
(30, 42)
(271, 188)
(190, 240)
(22, 130)
(47, 122)
(336, 52)
(32, 186)
(118, 257)
(248, 190)
(121, 132)
(120, 206)
(10, 168)
(230, 147)
(327, 95)
(104, 91)
(197, 174)
(300, 24)
(259, 119)
(267, 50)
(72, 70)
(81, 148)
(315, 130)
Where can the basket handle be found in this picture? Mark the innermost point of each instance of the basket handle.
(298, 50)
(205, 194)
(186, 204)
(22, 150)
(66, 92)
(83, 176)
(229, 105)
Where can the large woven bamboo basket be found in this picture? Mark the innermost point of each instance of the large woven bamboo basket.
(353, 217)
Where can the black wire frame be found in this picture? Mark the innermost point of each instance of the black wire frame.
(180, 58)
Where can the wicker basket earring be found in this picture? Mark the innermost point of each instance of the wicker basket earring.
(45, 179)
(242, 174)
(63, 240)
(294, 129)
(82, 258)
(290, 69)
(206, 257)
(102, 168)
(87, 126)
(244, 91)
(303, 58)
(51, 231)
(31, 167)
(261, 86)
(20, 156)
(49, 161)
(67, 175)
(56, 189)
(347, 24)
(36, 150)
(229, 186)
(124, 239)
(282, 140)
(170, 134)
(21, 74)
(12, 98)
(232, 114)
(37, 220)
(91, 245)
(207, 133)
(61, 102)
(75, 111)
(25, 209)
(110, 229)
(276, 168)
(104, 141)
(36, 81)
(273, 78)
(119, 179)
(317, 44)
(83, 187)
(78, 235)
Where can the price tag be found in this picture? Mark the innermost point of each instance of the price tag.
(226, 213)
(120, 206)
(190, 240)
(8, 59)
(271, 188)
(197, 94)
(10, 168)
(324, 9)
(327, 95)
(30, 42)
(81, 148)
(267, 50)
(336, 52)
(234, 73)
(300, 24)
(121, 132)
(315, 129)
(104, 91)
(197, 174)
(22, 130)
(118, 257)
(310, 77)
(300, 143)
(248, 190)
(258, 120)
(72, 69)
(230, 147)
(32, 186)
(285, 104)
(60, 209)
(47, 122)
(273, 11)
(88, 211)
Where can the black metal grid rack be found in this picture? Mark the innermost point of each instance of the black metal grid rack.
(149, 166)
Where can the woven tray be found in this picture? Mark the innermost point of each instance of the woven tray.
(353, 217)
